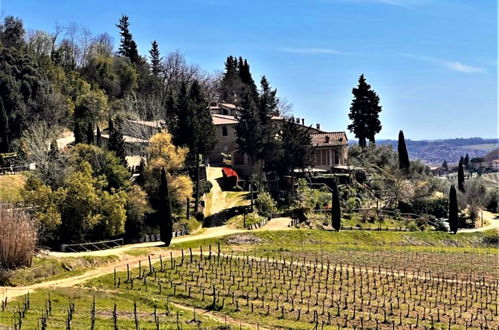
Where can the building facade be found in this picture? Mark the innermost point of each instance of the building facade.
(330, 148)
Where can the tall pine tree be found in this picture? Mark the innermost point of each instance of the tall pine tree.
(404, 163)
(165, 211)
(453, 210)
(460, 176)
(128, 47)
(155, 58)
(364, 113)
(4, 128)
(336, 208)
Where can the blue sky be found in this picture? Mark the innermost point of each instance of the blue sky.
(433, 62)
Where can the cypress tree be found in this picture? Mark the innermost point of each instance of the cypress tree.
(364, 113)
(336, 209)
(117, 142)
(155, 58)
(78, 132)
(90, 134)
(460, 177)
(98, 139)
(467, 161)
(165, 212)
(453, 211)
(4, 128)
(404, 163)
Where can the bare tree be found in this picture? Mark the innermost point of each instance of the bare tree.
(284, 107)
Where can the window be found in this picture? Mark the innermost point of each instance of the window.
(224, 131)
(336, 157)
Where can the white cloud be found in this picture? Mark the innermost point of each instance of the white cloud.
(311, 51)
(449, 64)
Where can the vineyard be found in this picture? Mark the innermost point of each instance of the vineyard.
(311, 293)
(251, 281)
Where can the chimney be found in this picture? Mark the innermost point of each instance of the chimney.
(318, 126)
(297, 120)
(303, 121)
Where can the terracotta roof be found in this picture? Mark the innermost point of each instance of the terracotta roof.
(329, 138)
(223, 119)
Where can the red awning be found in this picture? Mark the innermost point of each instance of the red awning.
(229, 172)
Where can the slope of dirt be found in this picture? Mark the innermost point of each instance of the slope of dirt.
(218, 200)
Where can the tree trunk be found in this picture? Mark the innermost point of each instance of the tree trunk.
(196, 204)
(251, 183)
(362, 142)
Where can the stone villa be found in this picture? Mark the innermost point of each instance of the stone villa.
(331, 148)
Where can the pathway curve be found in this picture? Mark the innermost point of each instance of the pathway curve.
(491, 218)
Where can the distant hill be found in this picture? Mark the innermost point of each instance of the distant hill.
(434, 152)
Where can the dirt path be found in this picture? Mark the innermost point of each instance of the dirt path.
(218, 200)
(277, 224)
(491, 218)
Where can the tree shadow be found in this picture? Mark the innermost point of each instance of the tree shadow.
(220, 218)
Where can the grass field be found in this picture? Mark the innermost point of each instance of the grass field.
(10, 187)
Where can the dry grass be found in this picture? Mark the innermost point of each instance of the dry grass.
(18, 237)
(10, 187)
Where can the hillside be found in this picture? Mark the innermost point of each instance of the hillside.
(434, 152)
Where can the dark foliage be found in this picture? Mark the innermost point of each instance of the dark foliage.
(364, 113)
(453, 210)
(460, 177)
(404, 163)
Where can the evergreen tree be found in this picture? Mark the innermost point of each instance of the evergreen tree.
(90, 134)
(293, 149)
(336, 209)
(165, 211)
(249, 135)
(4, 128)
(195, 128)
(231, 82)
(453, 210)
(267, 107)
(128, 47)
(404, 163)
(460, 177)
(466, 162)
(98, 139)
(117, 142)
(78, 132)
(155, 58)
(204, 130)
(248, 84)
(364, 113)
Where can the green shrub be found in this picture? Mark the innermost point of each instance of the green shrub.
(265, 204)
